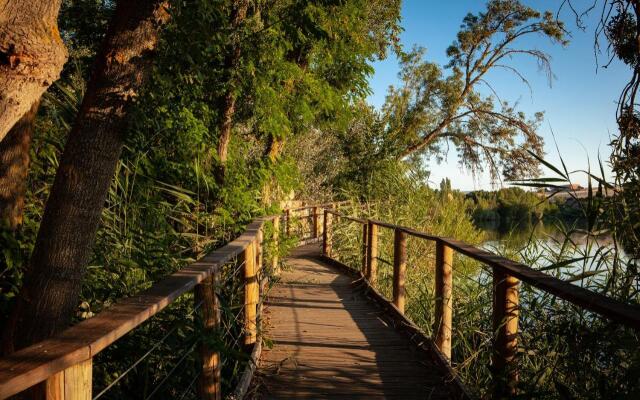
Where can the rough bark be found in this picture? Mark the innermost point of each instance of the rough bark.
(49, 296)
(14, 166)
(274, 148)
(238, 15)
(31, 56)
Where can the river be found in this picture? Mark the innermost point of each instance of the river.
(571, 255)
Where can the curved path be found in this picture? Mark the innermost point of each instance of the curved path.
(329, 341)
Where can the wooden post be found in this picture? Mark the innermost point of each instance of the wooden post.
(276, 236)
(287, 213)
(74, 383)
(399, 267)
(505, 327)
(210, 380)
(315, 223)
(326, 234)
(365, 246)
(372, 253)
(250, 294)
(260, 276)
(54, 386)
(443, 306)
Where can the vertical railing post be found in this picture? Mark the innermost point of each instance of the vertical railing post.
(399, 267)
(505, 327)
(315, 223)
(444, 298)
(250, 294)
(54, 387)
(326, 234)
(365, 246)
(372, 253)
(260, 276)
(74, 383)
(276, 237)
(210, 380)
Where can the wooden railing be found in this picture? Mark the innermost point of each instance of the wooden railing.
(61, 367)
(507, 275)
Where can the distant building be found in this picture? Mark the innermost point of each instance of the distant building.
(566, 188)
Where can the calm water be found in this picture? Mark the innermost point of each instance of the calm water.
(539, 244)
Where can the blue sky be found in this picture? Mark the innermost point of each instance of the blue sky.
(579, 105)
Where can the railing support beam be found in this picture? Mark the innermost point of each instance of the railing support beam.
(505, 327)
(74, 383)
(372, 253)
(316, 226)
(210, 381)
(275, 262)
(326, 234)
(399, 268)
(251, 293)
(365, 247)
(444, 298)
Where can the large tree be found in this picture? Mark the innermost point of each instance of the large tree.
(49, 295)
(433, 109)
(14, 165)
(31, 56)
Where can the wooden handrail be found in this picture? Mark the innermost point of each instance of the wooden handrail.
(81, 342)
(618, 311)
(623, 313)
(507, 275)
(70, 353)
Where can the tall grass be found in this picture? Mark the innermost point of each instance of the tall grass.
(563, 352)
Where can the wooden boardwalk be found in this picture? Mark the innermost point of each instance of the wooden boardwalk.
(331, 342)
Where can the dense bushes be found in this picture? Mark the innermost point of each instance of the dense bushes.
(509, 206)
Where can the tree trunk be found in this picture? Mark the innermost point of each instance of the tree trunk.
(14, 166)
(274, 148)
(49, 296)
(31, 56)
(238, 15)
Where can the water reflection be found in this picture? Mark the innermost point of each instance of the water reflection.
(579, 257)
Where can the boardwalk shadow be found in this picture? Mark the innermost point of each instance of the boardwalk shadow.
(330, 341)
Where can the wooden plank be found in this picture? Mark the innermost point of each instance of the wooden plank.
(422, 343)
(328, 341)
(34, 364)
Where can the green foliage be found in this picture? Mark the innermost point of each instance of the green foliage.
(510, 207)
(301, 64)
(433, 109)
(563, 351)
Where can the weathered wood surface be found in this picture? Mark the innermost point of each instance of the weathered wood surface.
(332, 342)
(626, 314)
(81, 342)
